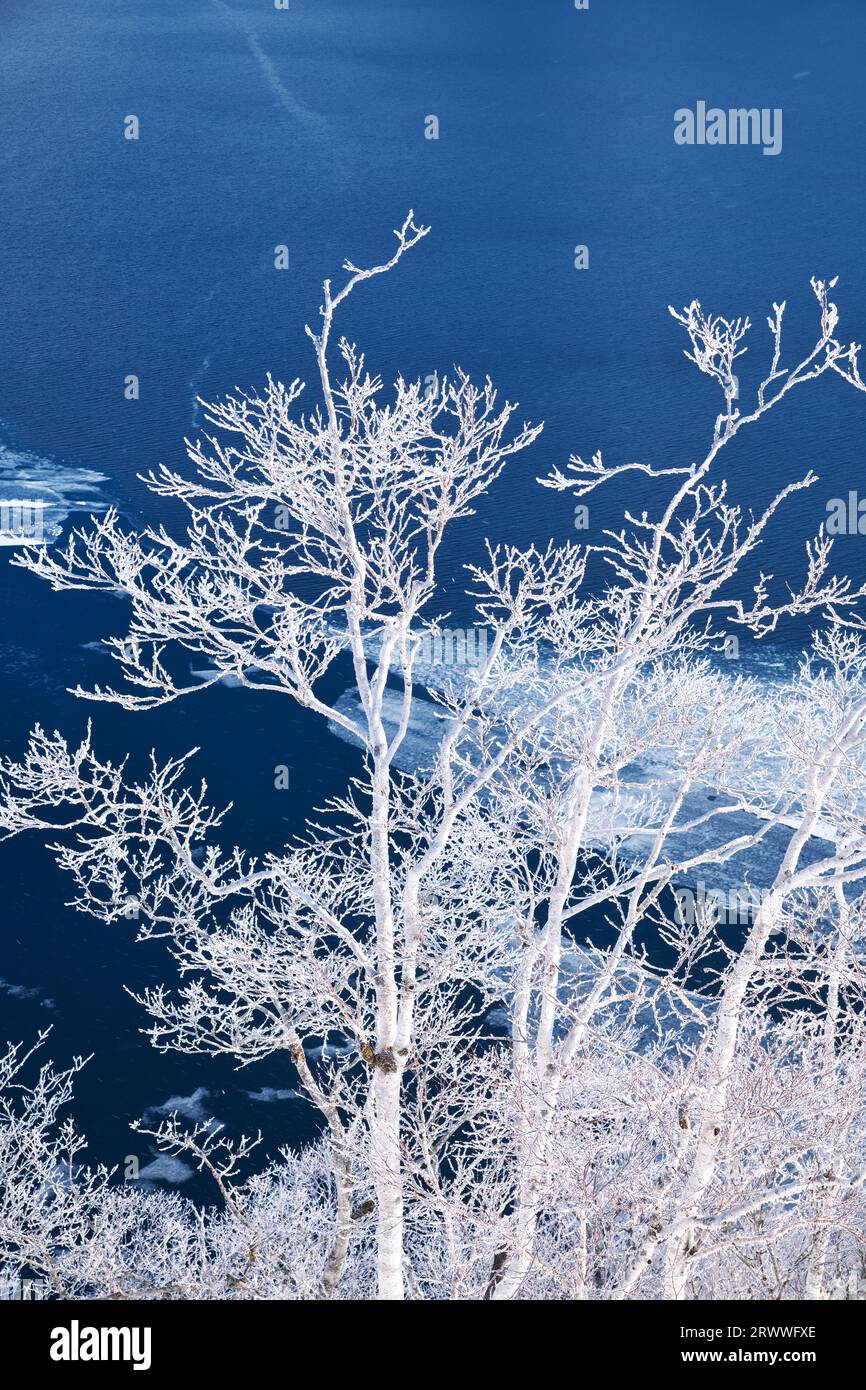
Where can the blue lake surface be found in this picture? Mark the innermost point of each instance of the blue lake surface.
(305, 127)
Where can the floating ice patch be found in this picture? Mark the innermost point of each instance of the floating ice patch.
(207, 673)
(190, 1107)
(611, 820)
(25, 992)
(164, 1168)
(268, 1095)
(38, 494)
(427, 727)
(332, 1050)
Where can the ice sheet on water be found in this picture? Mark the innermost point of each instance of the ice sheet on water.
(164, 1168)
(270, 1095)
(191, 1107)
(755, 866)
(62, 487)
(26, 992)
(427, 726)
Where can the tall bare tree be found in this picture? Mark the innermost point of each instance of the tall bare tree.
(618, 1141)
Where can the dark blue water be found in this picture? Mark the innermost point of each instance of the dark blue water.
(306, 127)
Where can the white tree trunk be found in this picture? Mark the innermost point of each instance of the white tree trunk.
(388, 1183)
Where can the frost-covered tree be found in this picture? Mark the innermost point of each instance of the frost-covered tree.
(682, 1121)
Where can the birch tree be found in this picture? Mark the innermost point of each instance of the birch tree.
(614, 1139)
